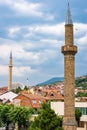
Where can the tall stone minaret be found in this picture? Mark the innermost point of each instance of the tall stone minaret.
(69, 50)
(10, 73)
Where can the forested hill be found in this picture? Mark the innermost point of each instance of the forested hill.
(81, 82)
(51, 81)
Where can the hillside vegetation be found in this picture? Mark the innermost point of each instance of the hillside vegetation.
(81, 82)
(52, 81)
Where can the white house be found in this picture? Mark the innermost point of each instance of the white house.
(8, 96)
(58, 107)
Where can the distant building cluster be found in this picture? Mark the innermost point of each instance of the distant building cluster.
(33, 97)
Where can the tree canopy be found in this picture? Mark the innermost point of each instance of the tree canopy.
(11, 115)
(5, 115)
(46, 120)
(78, 114)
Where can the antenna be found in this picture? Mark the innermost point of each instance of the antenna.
(27, 82)
(68, 2)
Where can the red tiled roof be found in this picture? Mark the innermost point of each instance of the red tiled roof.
(56, 95)
(34, 96)
(29, 98)
(3, 90)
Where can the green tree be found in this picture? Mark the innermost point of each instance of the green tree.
(81, 94)
(21, 115)
(5, 115)
(26, 88)
(17, 90)
(78, 114)
(0, 115)
(46, 120)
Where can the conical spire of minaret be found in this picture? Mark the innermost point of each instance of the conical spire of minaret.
(11, 54)
(68, 16)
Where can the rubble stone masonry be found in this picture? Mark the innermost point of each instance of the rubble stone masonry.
(69, 51)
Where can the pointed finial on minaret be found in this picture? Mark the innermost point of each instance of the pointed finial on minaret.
(68, 16)
(11, 54)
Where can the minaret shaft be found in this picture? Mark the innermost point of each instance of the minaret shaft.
(69, 50)
(69, 83)
(69, 34)
(10, 73)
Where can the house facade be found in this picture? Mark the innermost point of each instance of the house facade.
(29, 100)
(58, 107)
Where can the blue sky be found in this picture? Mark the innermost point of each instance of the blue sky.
(34, 31)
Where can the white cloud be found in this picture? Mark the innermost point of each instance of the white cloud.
(3, 70)
(80, 29)
(40, 52)
(83, 40)
(48, 29)
(17, 71)
(8, 45)
(51, 43)
(58, 30)
(19, 48)
(12, 32)
(33, 51)
(22, 70)
(36, 58)
(46, 50)
(82, 43)
(28, 31)
(48, 17)
(26, 8)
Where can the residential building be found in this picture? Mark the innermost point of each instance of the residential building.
(29, 100)
(58, 107)
(3, 90)
(53, 94)
(8, 96)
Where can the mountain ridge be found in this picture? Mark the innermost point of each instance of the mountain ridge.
(80, 82)
(51, 81)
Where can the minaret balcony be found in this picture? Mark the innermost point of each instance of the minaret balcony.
(67, 49)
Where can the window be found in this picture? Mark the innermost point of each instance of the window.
(40, 101)
(34, 101)
(81, 124)
(83, 110)
(51, 94)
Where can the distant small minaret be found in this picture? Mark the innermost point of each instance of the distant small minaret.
(69, 50)
(10, 73)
